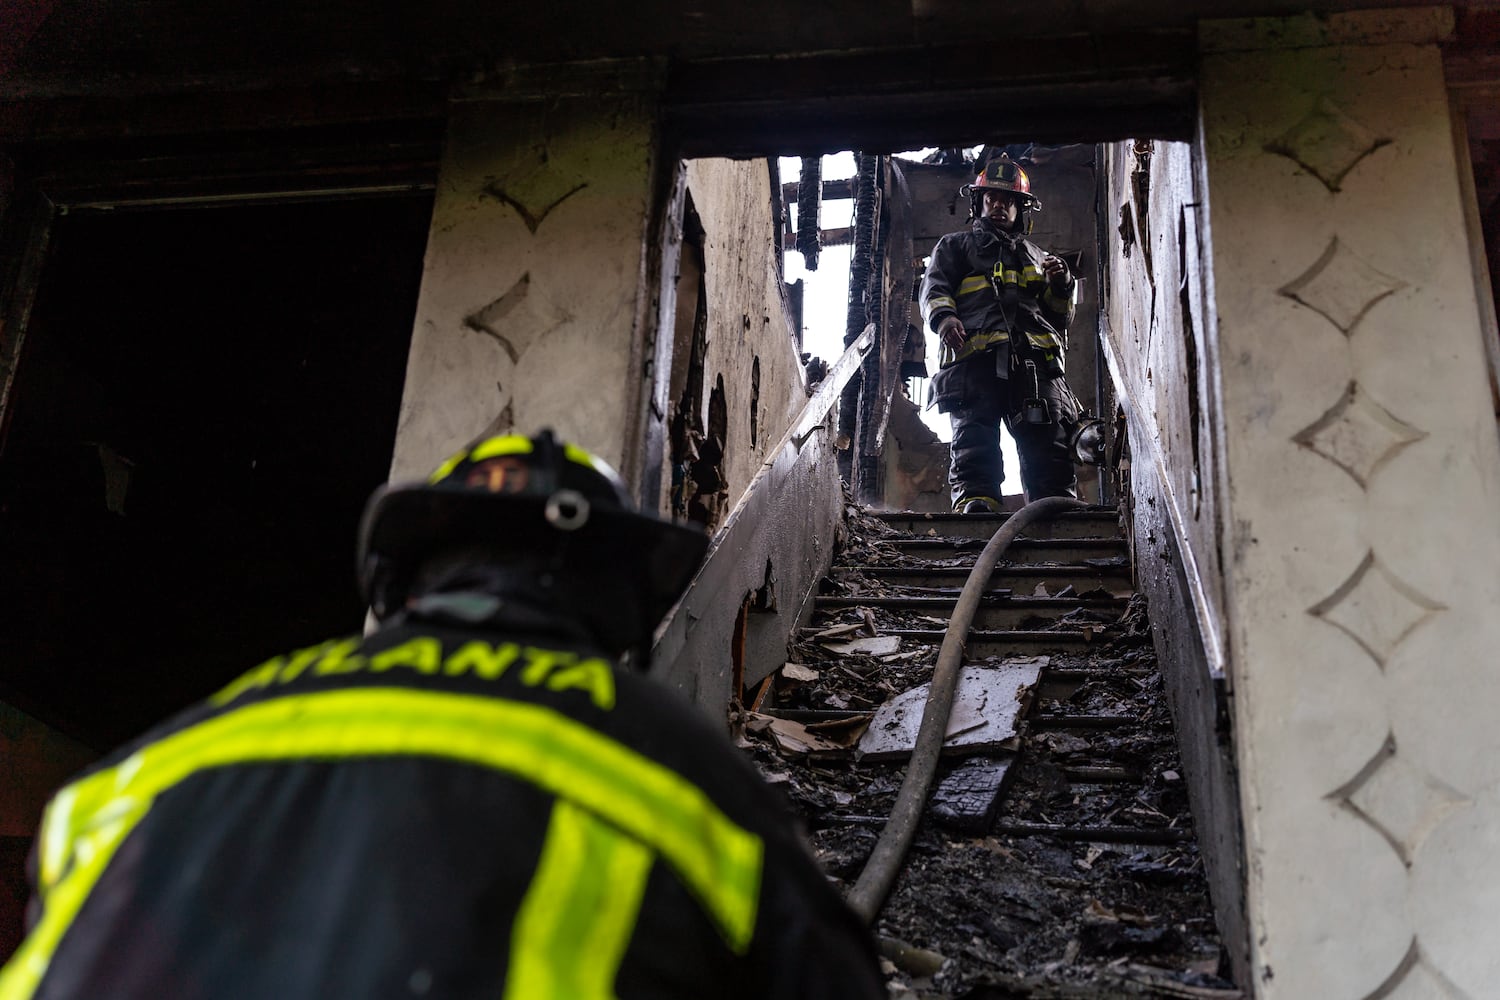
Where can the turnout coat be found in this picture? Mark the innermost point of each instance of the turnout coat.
(441, 811)
(992, 280)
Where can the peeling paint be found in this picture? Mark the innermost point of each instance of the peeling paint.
(754, 400)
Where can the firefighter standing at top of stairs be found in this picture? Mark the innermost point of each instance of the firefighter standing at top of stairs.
(1001, 307)
(473, 801)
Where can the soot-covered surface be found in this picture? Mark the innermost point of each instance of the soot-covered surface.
(992, 912)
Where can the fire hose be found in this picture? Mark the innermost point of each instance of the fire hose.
(875, 881)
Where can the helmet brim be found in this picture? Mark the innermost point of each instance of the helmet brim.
(1029, 201)
(408, 523)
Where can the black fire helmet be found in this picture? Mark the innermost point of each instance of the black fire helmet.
(536, 497)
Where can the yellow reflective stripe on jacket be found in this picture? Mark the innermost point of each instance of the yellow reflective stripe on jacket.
(718, 861)
(1004, 275)
(972, 345)
(91, 851)
(1031, 274)
(52, 836)
(1044, 341)
(576, 921)
(973, 283)
(940, 302)
(1057, 303)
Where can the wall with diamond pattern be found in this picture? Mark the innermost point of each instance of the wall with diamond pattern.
(1359, 536)
(531, 312)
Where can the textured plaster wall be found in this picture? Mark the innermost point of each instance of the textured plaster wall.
(531, 309)
(1157, 328)
(1362, 470)
(783, 497)
(537, 302)
(762, 570)
(1156, 324)
(747, 316)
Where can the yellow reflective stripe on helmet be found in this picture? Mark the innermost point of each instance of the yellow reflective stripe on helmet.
(973, 283)
(506, 444)
(719, 861)
(447, 467)
(514, 444)
(579, 913)
(576, 454)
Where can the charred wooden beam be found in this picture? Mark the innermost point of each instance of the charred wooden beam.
(44, 118)
(1072, 89)
(1067, 721)
(838, 189)
(826, 237)
(1097, 834)
(968, 798)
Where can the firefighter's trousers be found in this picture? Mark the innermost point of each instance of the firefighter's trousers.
(977, 469)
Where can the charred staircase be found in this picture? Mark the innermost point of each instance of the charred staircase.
(1059, 862)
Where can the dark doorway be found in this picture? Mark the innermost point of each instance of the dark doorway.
(203, 402)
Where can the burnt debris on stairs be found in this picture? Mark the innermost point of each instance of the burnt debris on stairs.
(1056, 855)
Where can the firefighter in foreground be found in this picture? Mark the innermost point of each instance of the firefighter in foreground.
(471, 802)
(1001, 306)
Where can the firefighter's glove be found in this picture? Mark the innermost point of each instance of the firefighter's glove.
(1057, 274)
(951, 331)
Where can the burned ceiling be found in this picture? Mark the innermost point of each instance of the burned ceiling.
(738, 80)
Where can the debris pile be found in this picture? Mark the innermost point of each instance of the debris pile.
(1056, 856)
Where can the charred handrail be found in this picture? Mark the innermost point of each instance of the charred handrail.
(697, 630)
(874, 883)
(828, 392)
